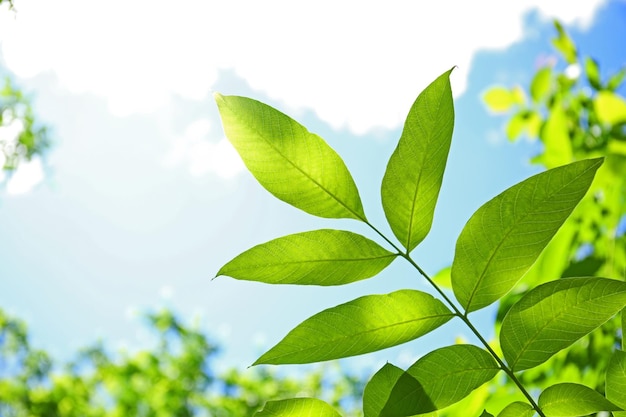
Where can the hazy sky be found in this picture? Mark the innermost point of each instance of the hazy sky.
(143, 198)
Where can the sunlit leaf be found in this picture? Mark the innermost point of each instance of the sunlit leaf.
(378, 391)
(442, 278)
(517, 409)
(437, 380)
(616, 381)
(415, 170)
(499, 99)
(616, 80)
(554, 315)
(367, 324)
(610, 108)
(506, 235)
(541, 84)
(320, 257)
(301, 407)
(564, 44)
(556, 140)
(593, 73)
(451, 373)
(293, 164)
(573, 400)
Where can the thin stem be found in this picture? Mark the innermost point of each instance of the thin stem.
(466, 320)
(469, 324)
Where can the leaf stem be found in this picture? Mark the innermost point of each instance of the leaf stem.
(466, 320)
(469, 324)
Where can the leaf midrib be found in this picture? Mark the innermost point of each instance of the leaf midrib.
(393, 255)
(419, 179)
(346, 337)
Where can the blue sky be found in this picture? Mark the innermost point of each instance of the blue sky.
(143, 199)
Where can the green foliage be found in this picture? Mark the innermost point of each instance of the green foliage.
(576, 112)
(497, 246)
(175, 377)
(21, 137)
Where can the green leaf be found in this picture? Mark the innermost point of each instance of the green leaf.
(616, 80)
(564, 44)
(506, 235)
(293, 164)
(377, 401)
(573, 400)
(616, 381)
(555, 136)
(320, 257)
(499, 99)
(367, 324)
(486, 413)
(451, 373)
(610, 108)
(301, 407)
(442, 278)
(593, 73)
(554, 315)
(517, 409)
(541, 84)
(415, 170)
(437, 380)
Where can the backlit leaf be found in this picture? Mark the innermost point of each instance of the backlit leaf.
(593, 73)
(506, 235)
(517, 409)
(415, 170)
(293, 164)
(616, 381)
(437, 380)
(556, 140)
(499, 99)
(564, 44)
(301, 407)
(363, 325)
(610, 108)
(573, 400)
(377, 401)
(320, 257)
(451, 373)
(541, 84)
(554, 315)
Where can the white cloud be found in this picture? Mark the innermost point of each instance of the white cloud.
(26, 177)
(202, 156)
(357, 63)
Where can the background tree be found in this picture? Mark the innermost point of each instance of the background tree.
(174, 377)
(22, 137)
(573, 112)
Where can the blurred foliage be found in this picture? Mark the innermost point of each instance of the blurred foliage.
(574, 111)
(174, 378)
(22, 137)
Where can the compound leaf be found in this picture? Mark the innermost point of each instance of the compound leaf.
(415, 170)
(302, 407)
(573, 400)
(363, 325)
(616, 381)
(554, 315)
(293, 164)
(517, 409)
(506, 235)
(319, 257)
